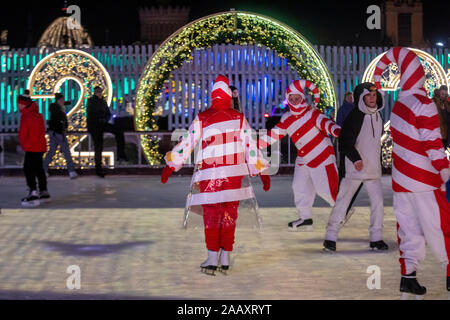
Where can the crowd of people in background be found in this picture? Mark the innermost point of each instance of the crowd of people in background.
(442, 101)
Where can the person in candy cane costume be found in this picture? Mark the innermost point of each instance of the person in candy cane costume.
(419, 172)
(227, 154)
(315, 166)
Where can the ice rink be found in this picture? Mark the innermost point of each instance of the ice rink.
(125, 234)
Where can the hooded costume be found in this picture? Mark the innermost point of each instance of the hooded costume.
(315, 166)
(360, 140)
(420, 167)
(226, 154)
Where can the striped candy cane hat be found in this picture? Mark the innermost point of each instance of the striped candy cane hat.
(298, 87)
(221, 89)
(412, 74)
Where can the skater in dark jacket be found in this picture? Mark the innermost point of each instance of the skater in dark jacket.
(98, 117)
(32, 141)
(57, 127)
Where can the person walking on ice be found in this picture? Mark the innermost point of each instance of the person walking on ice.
(419, 172)
(227, 154)
(360, 144)
(315, 166)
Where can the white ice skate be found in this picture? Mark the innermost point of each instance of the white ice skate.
(301, 225)
(224, 261)
(209, 267)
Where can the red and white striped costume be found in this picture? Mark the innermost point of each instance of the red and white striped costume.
(226, 154)
(315, 166)
(419, 165)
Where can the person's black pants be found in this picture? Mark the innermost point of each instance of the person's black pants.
(97, 137)
(34, 169)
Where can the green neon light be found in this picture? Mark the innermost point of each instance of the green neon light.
(125, 86)
(8, 100)
(2, 96)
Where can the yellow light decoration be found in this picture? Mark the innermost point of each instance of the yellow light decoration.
(435, 77)
(45, 81)
(233, 27)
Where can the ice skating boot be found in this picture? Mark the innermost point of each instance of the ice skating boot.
(301, 225)
(329, 245)
(379, 245)
(224, 261)
(448, 287)
(410, 287)
(210, 265)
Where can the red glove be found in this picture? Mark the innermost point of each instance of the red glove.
(265, 179)
(166, 173)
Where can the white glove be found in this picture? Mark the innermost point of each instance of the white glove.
(445, 176)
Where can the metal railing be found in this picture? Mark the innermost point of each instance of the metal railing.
(12, 155)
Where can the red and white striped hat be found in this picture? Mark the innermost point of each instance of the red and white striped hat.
(412, 74)
(221, 89)
(298, 87)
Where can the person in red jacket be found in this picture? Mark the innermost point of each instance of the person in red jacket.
(32, 140)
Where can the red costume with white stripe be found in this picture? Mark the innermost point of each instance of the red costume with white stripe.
(315, 167)
(226, 154)
(419, 165)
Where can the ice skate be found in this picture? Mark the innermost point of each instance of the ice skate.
(32, 200)
(73, 175)
(224, 261)
(379, 246)
(410, 288)
(44, 196)
(209, 267)
(448, 287)
(301, 225)
(329, 246)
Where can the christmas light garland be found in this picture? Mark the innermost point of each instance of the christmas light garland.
(46, 79)
(233, 27)
(435, 77)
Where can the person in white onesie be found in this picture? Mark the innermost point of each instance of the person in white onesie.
(360, 144)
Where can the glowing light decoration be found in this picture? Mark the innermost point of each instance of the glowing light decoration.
(435, 77)
(46, 80)
(233, 27)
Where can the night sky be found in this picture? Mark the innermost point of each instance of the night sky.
(321, 22)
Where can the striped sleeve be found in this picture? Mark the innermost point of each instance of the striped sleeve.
(181, 152)
(428, 125)
(326, 125)
(275, 134)
(253, 156)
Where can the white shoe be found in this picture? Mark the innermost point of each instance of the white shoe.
(73, 175)
(210, 264)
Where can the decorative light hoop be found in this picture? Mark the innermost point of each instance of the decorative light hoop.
(57, 54)
(435, 67)
(299, 51)
(84, 82)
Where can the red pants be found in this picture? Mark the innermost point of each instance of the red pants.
(220, 218)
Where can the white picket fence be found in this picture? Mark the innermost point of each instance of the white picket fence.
(260, 75)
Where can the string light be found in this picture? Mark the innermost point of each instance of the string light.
(233, 27)
(46, 79)
(435, 77)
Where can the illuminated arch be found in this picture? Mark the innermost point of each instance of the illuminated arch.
(435, 75)
(391, 77)
(233, 27)
(70, 64)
